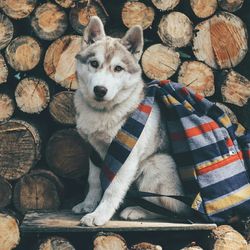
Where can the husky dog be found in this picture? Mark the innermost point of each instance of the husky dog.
(110, 89)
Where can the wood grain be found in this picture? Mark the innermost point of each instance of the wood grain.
(6, 31)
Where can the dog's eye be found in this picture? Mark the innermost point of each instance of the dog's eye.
(94, 64)
(118, 68)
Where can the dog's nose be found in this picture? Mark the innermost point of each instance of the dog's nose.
(100, 91)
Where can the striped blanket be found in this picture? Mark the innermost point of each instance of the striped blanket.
(212, 154)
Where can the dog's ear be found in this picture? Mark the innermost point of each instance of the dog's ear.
(133, 41)
(94, 31)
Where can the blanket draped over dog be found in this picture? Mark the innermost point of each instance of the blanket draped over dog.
(212, 154)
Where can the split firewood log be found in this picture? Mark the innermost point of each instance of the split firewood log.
(231, 5)
(137, 13)
(62, 108)
(4, 72)
(198, 77)
(5, 192)
(6, 31)
(32, 95)
(107, 241)
(203, 8)
(221, 41)
(17, 9)
(164, 5)
(10, 234)
(49, 21)
(79, 16)
(60, 63)
(175, 29)
(235, 89)
(67, 154)
(225, 237)
(146, 246)
(7, 107)
(160, 62)
(23, 53)
(55, 243)
(19, 148)
(37, 191)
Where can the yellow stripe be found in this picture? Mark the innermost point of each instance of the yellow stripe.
(240, 130)
(208, 163)
(228, 201)
(188, 106)
(126, 139)
(225, 120)
(170, 100)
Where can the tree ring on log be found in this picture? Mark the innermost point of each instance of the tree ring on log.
(231, 5)
(203, 8)
(6, 31)
(3, 70)
(5, 192)
(55, 243)
(165, 5)
(7, 107)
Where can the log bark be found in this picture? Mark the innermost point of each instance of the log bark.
(221, 41)
(235, 89)
(165, 4)
(19, 148)
(7, 107)
(105, 241)
(5, 193)
(231, 5)
(67, 154)
(60, 63)
(203, 8)
(79, 16)
(62, 108)
(137, 13)
(175, 29)
(55, 243)
(17, 9)
(23, 53)
(36, 191)
(146, 246)
(32, 95)
(198, 77)
(6, 31)
(4, 72)
(225, 237)
(160, 62)
(49, 21)
(10, 235)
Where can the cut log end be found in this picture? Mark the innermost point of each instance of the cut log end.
(4, 72)
(62, 108)
(32, 95)
(10, 235)
(66, 3)
(203, 8)
(198, 77)
(6, 31)
(165, 5)
(21, 143)
(231, 5)
(175, 29)
(5, 193)
(7, 107)
(67, 154)
(146, 246)
(80, 15)
(23, 53)
(105, 241)
(55, 243)
(221, 41)
(16, 9)
(137, 13)
(60, 63)
(49, 21)
(235, 89)
(160, 62)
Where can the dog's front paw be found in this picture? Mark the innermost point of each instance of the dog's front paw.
(94, 219)
(133, 213)
(84, 207)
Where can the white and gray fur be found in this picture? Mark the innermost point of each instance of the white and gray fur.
(149, 165)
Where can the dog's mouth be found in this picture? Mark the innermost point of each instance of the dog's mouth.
(99, 99)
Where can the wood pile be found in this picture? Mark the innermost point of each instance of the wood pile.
(43, 161)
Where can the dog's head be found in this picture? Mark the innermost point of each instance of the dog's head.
(108, 68)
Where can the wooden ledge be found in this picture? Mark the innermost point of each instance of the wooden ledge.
(66, 221)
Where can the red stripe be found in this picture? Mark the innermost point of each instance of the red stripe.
(145, 108)
(220, 164)
(198, 97)
(229, 142)
(108, 173)
(184, 91)
(164, 82)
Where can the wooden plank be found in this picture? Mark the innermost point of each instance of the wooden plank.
(66, 221)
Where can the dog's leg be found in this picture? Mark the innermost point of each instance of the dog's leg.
(113, 195)
(94, 194)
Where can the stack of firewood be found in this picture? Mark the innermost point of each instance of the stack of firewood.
(43, 161)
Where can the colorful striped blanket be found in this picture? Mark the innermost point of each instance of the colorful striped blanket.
(212, 154)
